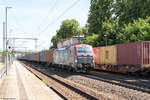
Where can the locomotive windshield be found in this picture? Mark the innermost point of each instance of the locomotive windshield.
(84, 50)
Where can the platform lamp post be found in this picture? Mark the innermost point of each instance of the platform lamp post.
(106, 50)
(6, 9)
(105, 39)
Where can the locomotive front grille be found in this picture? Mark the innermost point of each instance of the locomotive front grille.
(84, 59)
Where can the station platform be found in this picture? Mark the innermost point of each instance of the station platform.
(21, 84)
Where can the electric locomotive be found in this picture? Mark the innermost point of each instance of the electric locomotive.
(77, 57)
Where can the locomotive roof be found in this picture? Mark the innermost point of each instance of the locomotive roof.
(64, 48)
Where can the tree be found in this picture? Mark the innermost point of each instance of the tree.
(118, 21)
(137, 30)
(55, 39)
(83, 31)
(110, 29)
(129, 10)
(92, 40)
(100, 11)
(68, 28)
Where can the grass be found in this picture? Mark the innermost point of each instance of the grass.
(46, 83)
(1, 64)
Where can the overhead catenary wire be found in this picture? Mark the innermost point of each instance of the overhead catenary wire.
(44, 19)
(19, 24)
(23, 42)
(41, 44)
(54, 5)
(62, 14)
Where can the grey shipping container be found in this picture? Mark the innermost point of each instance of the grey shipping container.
(43, 56)
(32, 57)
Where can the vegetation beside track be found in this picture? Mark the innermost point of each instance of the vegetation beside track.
(1, 64)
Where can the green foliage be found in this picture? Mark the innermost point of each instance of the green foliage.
(109, 29)
(55, 39)
(84, 31)
(1, 53)
(4, 54)
(118, 21)
(92, 40)
(68, 28)
(100, 11)
(110, 22)
(129, 10)
(138, 30)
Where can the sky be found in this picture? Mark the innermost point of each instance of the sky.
(38, 19)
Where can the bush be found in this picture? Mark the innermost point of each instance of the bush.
(138, 30)
(92, 40)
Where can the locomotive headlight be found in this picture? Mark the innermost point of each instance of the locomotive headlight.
(93, 60)
(75, 60)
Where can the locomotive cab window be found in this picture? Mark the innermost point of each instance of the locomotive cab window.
(84, 50)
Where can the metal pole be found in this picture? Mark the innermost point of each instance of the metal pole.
(105, 39)
(6, 37)
(3, 38)
(6, 8)
(35, 44)
(13, 43)
(79, 38)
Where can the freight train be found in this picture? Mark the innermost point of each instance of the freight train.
(77, 57)
(123, 58)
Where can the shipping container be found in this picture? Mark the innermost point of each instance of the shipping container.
(37, 56)
(30, 57)
(108, 55)
(49, 55)
(137, 53)
(97, 55)
(43, 56)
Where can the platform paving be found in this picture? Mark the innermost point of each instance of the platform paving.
(21, 84)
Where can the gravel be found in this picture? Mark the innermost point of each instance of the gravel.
(119, 91)
(107, 89)
(103, 87)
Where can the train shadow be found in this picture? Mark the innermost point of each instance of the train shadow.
(118, 77)
(50, 70)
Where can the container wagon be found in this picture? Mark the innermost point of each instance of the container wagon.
(134, 57)
(42, 56)
(106, 58)
(37, 57)
(124, 58)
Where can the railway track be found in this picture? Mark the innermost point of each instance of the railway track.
(104, 83)
(119, 81)
(67, 89)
